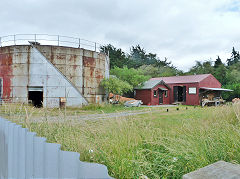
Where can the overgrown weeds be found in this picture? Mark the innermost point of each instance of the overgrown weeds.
(108, 108)
(159, 144)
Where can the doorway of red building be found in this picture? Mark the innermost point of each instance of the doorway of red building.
(160, 92)
(179, 93)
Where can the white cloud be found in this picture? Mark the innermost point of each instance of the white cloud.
(181, 30)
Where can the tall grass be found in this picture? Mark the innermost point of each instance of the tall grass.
(19, 110)
(159, 144)
(108, 108)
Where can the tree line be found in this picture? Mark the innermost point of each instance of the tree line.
(129, 70)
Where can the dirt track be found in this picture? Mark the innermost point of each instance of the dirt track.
(85, 117)
(92, 117)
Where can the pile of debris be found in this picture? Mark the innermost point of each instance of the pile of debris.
(116, 99)
(236, 100)
(213, 101)
(128, 102)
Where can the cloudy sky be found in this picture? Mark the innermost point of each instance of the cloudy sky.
(181, 30)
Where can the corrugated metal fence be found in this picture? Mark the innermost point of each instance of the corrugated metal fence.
(23, 155)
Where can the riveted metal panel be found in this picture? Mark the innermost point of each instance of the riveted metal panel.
(52, 102)
(20, 58)
(36, 69)
(37, 80)
(92, 82)
(95, 55)
(20, 69)
(107, 67)
(74, 70)
(101, 64)
(88, 53)
(20, 81)
(19, 92)
(77, 80)
(55, 91)
(74, 59)
(62, 68)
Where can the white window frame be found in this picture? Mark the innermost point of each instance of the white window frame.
(192, 90)
(154, 94)
(166, 93)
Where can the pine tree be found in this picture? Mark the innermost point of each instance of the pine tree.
(218, 62)
(235, 58)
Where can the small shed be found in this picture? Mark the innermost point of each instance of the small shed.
(153, 92)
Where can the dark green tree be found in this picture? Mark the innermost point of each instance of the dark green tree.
(235, 58)
(163, 63)
(202, 68)
(220, 73)
(117, 57)
(116, 86)
(218, 62)
(139, 57)
(233, 74)
(133, 76)
(234, 94)
(155, 71)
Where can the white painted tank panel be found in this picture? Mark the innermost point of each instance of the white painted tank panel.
(54, 82)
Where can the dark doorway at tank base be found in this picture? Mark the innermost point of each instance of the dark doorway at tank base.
(36, 98)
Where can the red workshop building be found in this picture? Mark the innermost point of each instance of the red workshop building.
(187, 90)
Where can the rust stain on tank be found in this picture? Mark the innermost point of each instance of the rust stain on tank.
(92, 71)
(73, 58)
(28, 62)
(52, 55)
(75, 67)
(89, 61)
(6, 71)
(99, 80)
(60, 56)
(99, 74)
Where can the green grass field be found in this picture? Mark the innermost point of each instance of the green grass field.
(159, 144)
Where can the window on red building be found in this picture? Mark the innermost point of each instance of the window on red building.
(192, 90)
(155, 93)
(165, 93)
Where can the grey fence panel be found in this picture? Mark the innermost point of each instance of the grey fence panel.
(39, 157)
(86, 170)
(67, 162)
(52, 156)
(23, 155)
(3, 157)
(30, 154)
(9, 149)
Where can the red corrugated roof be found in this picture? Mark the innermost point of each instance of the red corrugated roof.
(182, 79)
